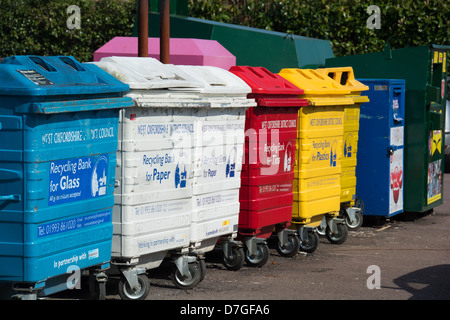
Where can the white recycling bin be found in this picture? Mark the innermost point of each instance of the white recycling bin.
(218, 153)
(178, 173)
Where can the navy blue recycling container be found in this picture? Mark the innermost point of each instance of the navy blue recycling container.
(380, 148)
(58, 140)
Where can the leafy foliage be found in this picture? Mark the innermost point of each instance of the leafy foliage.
(39, 26)
(343, 22)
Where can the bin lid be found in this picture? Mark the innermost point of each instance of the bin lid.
(217, 80)
(269, 89)
(151, 81)
(346, 77)
(147, 73)
(54, 75)
(318, 88)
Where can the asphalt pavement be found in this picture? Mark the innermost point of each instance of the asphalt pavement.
(404, 258)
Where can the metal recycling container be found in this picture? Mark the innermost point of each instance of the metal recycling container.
(320, 130)
(180, 162)
(218, 151)
(351, 204)
(267, 177)
(380, 157)
(58, 141)
(424, 70)
(251, 46)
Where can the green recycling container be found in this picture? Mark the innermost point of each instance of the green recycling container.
(424, 70)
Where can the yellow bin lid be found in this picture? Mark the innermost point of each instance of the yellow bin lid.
(319, 89)
(346, 77)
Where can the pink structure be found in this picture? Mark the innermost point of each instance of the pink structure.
(197, 52)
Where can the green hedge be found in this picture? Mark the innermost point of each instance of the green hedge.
(343, 22)
(39, 26)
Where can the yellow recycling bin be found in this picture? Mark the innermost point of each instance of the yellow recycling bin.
(351, 205)
(320, 126)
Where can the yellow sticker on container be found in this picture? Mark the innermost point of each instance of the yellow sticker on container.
(435, 141)
(440, 57)
(444, 62)
(436, 57)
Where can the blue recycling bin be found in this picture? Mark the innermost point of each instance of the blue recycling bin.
(380, 148)
(58, 140)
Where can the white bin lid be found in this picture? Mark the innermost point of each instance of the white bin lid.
(217, 80)
(146, 73)
(154, 84)
(149, 73)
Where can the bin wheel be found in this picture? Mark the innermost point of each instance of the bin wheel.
(261, 257)
(340, 236)
(202, 263)
(127, 293)
(311, 244)
(321, 229)
(187, 282)
(236, 261)
(291, 249)
(355, 225)
(97, 288)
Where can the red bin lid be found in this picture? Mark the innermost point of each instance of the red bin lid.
(270, 89)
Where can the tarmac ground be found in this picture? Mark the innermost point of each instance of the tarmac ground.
(403, 258)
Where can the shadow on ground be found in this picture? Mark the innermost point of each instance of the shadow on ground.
(432, 283)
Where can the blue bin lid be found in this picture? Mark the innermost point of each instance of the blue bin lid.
(54, 75)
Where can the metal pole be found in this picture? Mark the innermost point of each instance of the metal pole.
(164, 37)
(143, 28)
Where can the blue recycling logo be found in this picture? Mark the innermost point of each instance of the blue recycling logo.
(348, 146)
(99, 178)
(231, 164)
(333, 154)
(180, 177)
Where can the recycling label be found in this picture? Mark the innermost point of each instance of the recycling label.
(77, 179)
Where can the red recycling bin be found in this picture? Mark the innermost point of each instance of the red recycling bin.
(267, 175)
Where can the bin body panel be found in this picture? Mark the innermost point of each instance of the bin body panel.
(268, 171)
(61, 180)
(346, 77)
(266, 194)
(155, 174)
(58, 163)
(424, 70)
(218, 154)
(349, 153)
(320, 135)
(318, 165)
(380, 158)
(217, 178)
(317, 186)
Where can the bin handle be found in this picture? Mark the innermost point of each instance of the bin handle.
(11, 197)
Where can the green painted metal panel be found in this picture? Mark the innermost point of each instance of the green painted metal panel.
(424, 69)
(257, 48)
(179, 7)
(251, 46)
